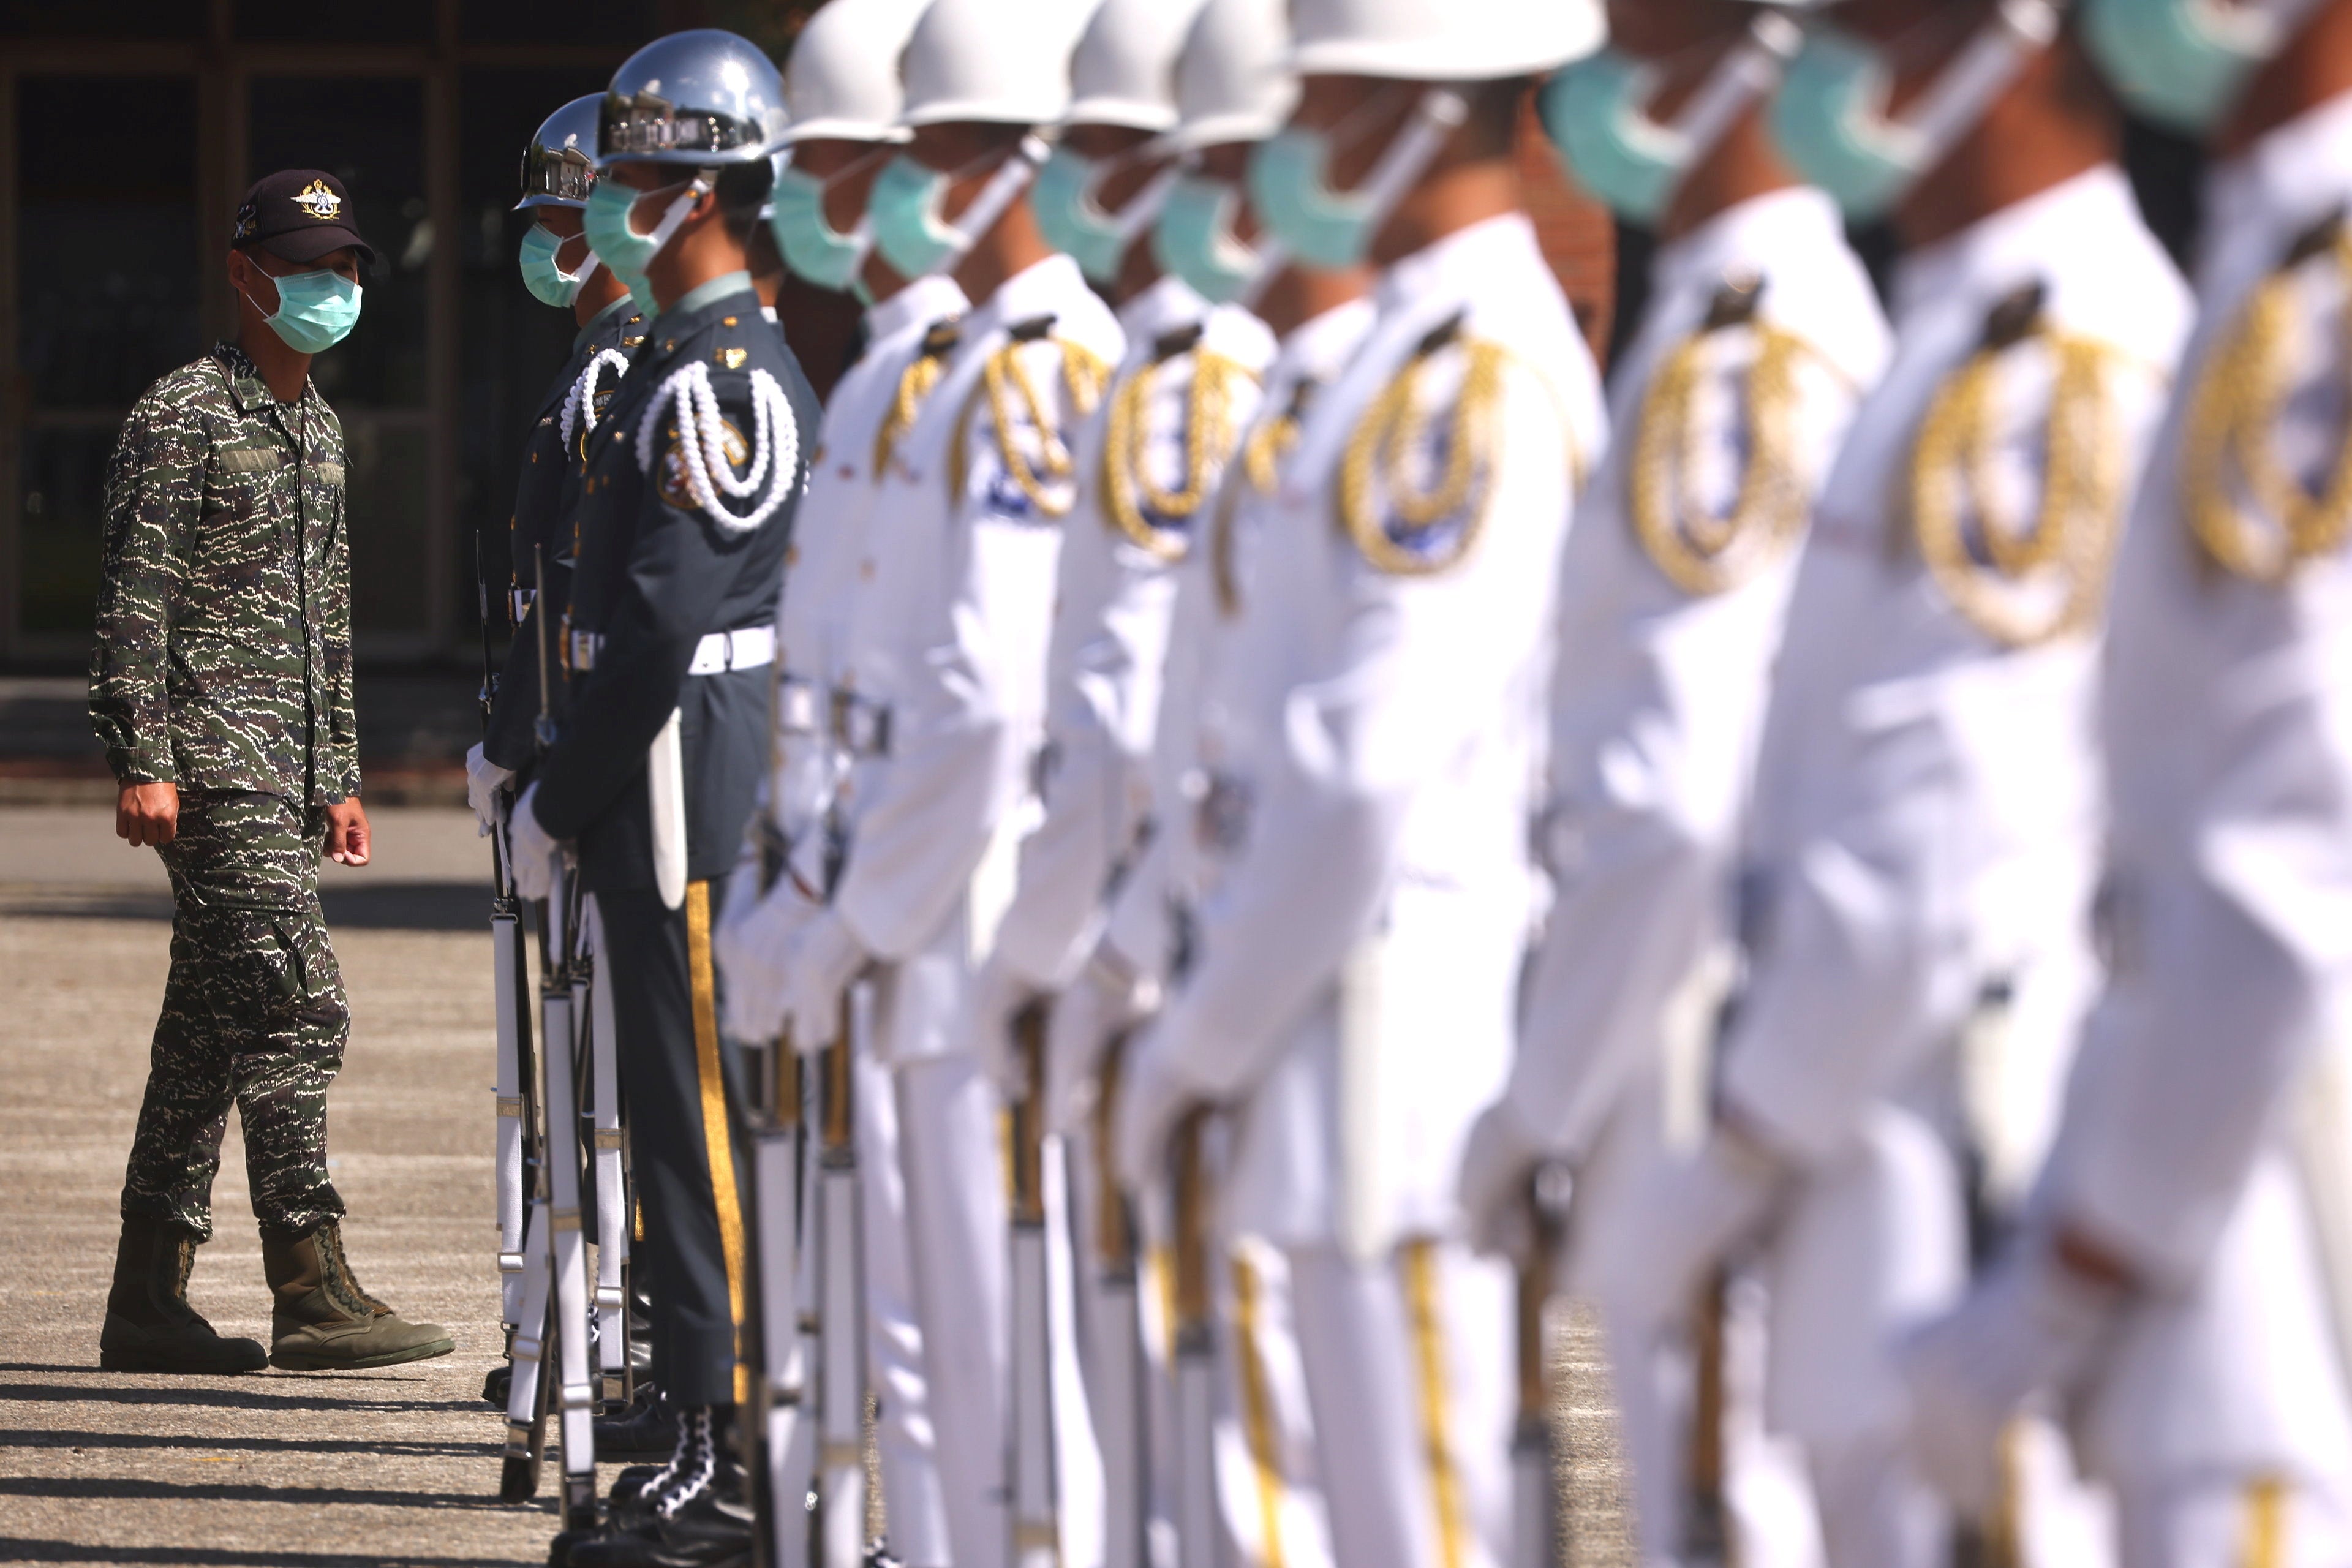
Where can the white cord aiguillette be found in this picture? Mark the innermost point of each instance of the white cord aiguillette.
(580, 403)
(702, 445)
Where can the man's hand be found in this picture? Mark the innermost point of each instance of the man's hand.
(147, 814)
(347, 832)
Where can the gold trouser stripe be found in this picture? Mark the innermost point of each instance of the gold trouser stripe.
(1257, 1412)
(2266, 1523)
(1160, 1280)
(717, 1141)
(1420, 1262)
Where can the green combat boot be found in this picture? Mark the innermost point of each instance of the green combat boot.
(150, 1327)
(321, 1319)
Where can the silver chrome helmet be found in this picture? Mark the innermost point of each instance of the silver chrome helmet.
(702, 98)
(559, 166)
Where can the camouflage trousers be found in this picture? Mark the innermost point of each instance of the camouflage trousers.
(253, 1014)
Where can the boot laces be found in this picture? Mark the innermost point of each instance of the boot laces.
(352, 1287)
(690, 1470)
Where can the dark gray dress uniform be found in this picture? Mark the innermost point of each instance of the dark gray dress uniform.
(673, 606)
(547, 496)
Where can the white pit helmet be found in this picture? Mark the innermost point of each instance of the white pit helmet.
(1232, 82)
(1442, 40)
(1122, 71)
(968, 59)
(840, 81)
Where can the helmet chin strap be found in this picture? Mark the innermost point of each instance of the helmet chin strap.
(995, 198)
(1965, 88)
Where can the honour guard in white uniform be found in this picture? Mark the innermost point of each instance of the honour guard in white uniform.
(939, 706)
(841, 84)
(1349, 988)
(1926, 813)
(1760, 336)
(2180, 1291)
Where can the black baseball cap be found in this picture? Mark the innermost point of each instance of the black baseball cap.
(299, 214)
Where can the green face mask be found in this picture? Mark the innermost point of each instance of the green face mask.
(548, 282)
(316, 310)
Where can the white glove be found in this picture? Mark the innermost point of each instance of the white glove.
(1153, 1096)
(1659, 1250)
(1498, 1163)
(1106, 1000)
(483, 779)
(998, 995)
(533, 851)
(820, 958)
(2032, 1326)
(752, 951)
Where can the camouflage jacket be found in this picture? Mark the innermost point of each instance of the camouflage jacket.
(223, 650)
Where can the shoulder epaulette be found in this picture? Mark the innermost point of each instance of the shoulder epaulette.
(1699, 553)
(1410, 531)
(1149, 516)
(2230, 468)
(2022, 584)
(1005, 375)
(914, 384)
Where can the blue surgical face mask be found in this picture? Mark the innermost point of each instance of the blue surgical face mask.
(905, 206)
(810, 246)
(543, 276)
(1195, 241)
(1597, 110)
(2185, 63)
(621, 247)
(316, 310)
(1831, 120)
(1289, 181)
(1075, 223)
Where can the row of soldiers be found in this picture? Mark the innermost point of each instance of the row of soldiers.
(1836, 849)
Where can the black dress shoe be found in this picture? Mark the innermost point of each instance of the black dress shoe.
(647, 1430)
(714, 1531)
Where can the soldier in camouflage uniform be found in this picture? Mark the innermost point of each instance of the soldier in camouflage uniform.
(221, 685)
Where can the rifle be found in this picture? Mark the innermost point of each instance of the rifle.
(515, 1153)
(1199, 1529)
(841, 1312)
(1036, 1534)
(1536, 1527)
(554, 1249)
(1120, 1429)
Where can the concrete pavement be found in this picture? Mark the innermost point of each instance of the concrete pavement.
(397, 1466)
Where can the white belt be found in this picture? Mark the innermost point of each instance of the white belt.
(747, 648)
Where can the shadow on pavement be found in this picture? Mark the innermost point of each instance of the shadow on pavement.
(127, 1488)
(383, 906)
(215, 1394)
(48, 1438)
(12, 1550)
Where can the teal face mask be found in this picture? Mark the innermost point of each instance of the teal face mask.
(548, 282)
(1194, 240)
(2185, 63)
(316, 310)
(1597, 111)
(1831, 120)
(620, 246)
(905, 207)
(810, 246)
(1075, 223)
(1289, 183)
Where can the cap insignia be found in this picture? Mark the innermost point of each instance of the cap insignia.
(319, 201)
